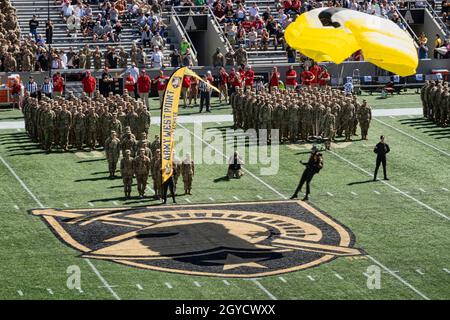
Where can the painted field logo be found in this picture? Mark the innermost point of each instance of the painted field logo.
(227, 240)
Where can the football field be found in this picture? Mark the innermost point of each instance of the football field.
(402, 225)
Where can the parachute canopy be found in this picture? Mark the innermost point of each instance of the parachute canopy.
(333, 34)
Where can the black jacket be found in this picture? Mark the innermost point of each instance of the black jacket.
(381, 149)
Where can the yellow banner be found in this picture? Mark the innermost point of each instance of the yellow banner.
(169, 115)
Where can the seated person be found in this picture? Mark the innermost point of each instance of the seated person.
(235, 166)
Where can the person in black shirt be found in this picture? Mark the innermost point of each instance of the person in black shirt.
(107, 82)
(235, 166)
(313, 166)
(34, 24)
(381, 149)
(169, 185)
(49, 31)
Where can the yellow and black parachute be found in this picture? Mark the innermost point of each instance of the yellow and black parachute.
(333, 34)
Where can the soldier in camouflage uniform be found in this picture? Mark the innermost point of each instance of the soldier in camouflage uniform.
(92, 123)
(187, 171)
(64, 122)
(128, 142)
(364, 118)
(48, 125)
(79, 124)
(157, 174)
(127, 172)
(141, 171)
(112, 151)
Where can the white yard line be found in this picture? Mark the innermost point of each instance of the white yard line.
(398, 277)
(16, 207)
(39, 203)
(330, 194)
(271, 296)
(115, 203)
(66, 205)
(50, 291)
(259, 197)
(187, 200)
(445, 189)
(376, 192)
(311, 278)
(212, 199)
(282, 279)
(197, 284)
(20, 292)
(393, 187)
(354, 193)
(338, 276)
(422, 190)
(168, 285)
(235, 198)
(91, 204)
(414, 138)
(446, 270)
(139, 287)
(226, 282)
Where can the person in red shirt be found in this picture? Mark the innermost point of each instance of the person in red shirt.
(58, 85)
(324, 77)
(193, 90)
(89, 84)
(241, 72)
(161, 84)
(185, 88)
(291, 78)
(144, 84)
(235, 78)
(223, 84)
(16, 89)
(306, 76)
(274, 79)
(249, 77)
(130, 84)
(315, 69)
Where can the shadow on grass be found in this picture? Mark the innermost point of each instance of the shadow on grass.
(93, 179)
(360, 182)
(91, 160)
(224, 178)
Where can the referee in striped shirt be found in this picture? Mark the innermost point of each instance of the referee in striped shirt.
(32, 88)
(205, 94)
(47, 88)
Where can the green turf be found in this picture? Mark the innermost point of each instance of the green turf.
(400, 233)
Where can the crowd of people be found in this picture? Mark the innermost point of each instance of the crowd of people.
(435, 96)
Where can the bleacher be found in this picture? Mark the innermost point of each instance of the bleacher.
(26, 10)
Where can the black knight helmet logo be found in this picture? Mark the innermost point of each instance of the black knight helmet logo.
(228, 240)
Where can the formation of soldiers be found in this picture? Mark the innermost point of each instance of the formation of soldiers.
(324, 113)
(118, 124)
(435, 97)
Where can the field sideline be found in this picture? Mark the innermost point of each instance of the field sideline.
(403, 224)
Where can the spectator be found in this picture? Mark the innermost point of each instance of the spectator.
(185, 88)
(161, 84)
(143, 84)
(175, 59)
(253, 11)
(218, 58)
(291, 78)
(34, 24)
(274, 79)
(205, 94)
(253, 39)
(249, 78)
(58, 84)
(423, 51)
(187, 59)
(437, 44)
(184, 46)
(193, 90)
(89, 84)
(130, 84)
(157, 58)
(107, 82)
(49, 31)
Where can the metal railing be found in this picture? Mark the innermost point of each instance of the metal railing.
(408, 28)
(438, 19)
(180, 25)
(219, 27)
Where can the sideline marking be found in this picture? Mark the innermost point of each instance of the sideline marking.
(446, 270)
(226, 282)
(412, 137)
(377, 192)
(330, 194)
(168, 285)
(420, 272)
(39, 203)
(212, 199)
(50, 291)
(66, 205)
(139, 287)
(16, 207)
(197, 284)
(354, 193)
(187, 199)
(282, 279)
(394, 188)
(271, 296)
(421, 190)
(445, 189)
(91, 204)
(235, 198)
(20, 292)
(284, 197)
(311, 278)
(259, 197)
